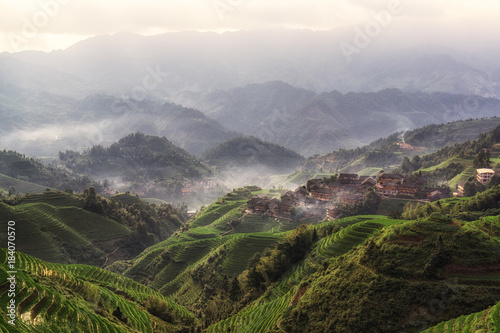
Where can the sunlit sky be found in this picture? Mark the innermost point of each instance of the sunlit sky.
(57, 24)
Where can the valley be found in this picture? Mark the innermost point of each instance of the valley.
(260, 167)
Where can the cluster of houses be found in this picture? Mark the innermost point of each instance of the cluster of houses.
(322, 197)
(406, 146)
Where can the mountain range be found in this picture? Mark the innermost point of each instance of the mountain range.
(312, 123)
(199, 62)
(295, 118)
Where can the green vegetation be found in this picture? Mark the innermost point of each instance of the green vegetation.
(384, 153)
(20, 186)
(468, 209)
(87, 228)
(136, 158)
(263, 314)
(393, 281)
(251, 151)
(79, 298)
(29, 175)
(466, 150)
(484, 321)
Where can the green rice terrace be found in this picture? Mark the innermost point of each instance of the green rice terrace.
(227, 270)
(21, 186)
(55, 228)
(80, 298)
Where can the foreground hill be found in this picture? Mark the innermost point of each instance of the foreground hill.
(393, 281)
(251, 152)
(86, 228)
(363, 273)
(79, 298)
(136, 157)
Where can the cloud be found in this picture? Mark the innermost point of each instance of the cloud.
(79, 19)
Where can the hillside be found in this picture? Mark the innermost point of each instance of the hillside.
(401, 273)
(205, 61)
(235, 270)
(185, 127)
(483, 321)
(86, 228)
(251, 152)
(58, 123)
(385, 152)
(29, 175)
(18, 186)
(315, 124)
(79, 298)
(310, 277)
(136, 158)
(457, 164)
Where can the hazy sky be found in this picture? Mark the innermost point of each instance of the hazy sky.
(56, 24)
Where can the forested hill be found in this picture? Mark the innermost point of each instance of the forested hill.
(251, 151)
(468, 149)
(310, 124)
(385, 152)
(136, 157)
(240, 271)
(87, 228)
(23, 174)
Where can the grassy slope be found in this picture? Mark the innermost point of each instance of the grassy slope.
(54, 228)
(433, 137)
(81, 298)
(168, 266)
(395, 283)
(483, 321)
(263, 314)
(21, 186)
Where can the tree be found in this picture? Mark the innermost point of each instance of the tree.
(315, 237)
(235, 291)
(255, 279)
(372, 200)
(482, 159)
(12, 190)
(407, 166)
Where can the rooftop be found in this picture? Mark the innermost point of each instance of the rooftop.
(485, 171)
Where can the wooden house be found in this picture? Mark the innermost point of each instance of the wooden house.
(384, 178)
(322, 194)
(347, 178)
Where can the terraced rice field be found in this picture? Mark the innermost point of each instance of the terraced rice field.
(484, 321)
(243, 248)
(264, 314)
(470, 171)
(21, 186)
(43, 224)
(49, 299)
(54, 198)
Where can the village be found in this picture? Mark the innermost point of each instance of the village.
(321, 198)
